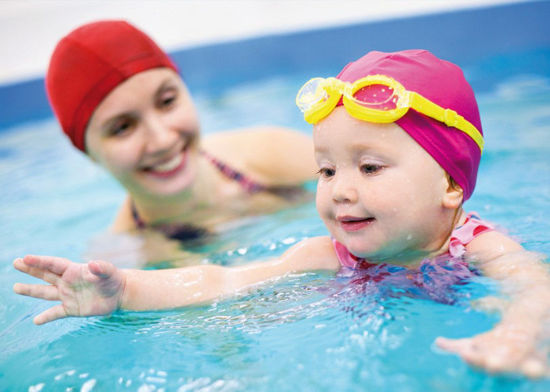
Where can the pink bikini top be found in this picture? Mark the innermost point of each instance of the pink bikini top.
(460, 237)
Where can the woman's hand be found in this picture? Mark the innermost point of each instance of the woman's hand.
(503, 349)
(89, 289)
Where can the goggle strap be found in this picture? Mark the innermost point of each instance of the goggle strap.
(336, 88)
(447, 116)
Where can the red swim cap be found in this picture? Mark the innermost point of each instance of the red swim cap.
(442, 83)
(89, 63)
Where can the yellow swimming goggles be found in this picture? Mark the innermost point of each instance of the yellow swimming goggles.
(382, 100)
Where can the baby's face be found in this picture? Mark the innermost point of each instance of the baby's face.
(379, 193)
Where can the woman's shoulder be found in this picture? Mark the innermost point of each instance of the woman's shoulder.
(124, 220)
(270, 155)
(252, 142)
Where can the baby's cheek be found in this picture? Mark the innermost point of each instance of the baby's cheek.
(323, 207)
(323, 210)
(320, 197)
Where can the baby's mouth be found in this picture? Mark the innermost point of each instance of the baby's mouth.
(351, 223)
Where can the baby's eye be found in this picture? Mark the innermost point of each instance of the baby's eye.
(370, 168)
(326, 172)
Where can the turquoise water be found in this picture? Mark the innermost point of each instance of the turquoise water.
(307, 332)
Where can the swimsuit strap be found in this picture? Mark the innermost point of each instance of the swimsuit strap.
(140, 223)
(460, 237)
(247, 183)
(464, 234)
(344, 255)
(181, 232)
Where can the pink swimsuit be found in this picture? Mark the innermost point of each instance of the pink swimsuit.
(434, 279)
(460, 237)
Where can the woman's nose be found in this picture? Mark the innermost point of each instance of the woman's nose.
(159, 136)
(344, 189)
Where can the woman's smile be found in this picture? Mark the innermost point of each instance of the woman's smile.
(168, 168)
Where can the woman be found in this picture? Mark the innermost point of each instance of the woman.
(120, 100)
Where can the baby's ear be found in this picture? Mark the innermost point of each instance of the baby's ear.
(454, 194)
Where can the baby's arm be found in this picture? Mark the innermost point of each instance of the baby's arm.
(185, 286)
(512, 344)
(99, 287)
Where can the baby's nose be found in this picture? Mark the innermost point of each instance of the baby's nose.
(344, 190)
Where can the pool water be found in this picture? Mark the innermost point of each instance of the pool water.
(307, 332)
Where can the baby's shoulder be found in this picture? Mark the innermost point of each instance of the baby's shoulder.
(481, 238)
(492, 244)
(316, 253)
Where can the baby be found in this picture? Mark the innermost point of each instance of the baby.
(398, 141)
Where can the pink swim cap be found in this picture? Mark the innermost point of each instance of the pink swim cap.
(89, 63)
(442, 83)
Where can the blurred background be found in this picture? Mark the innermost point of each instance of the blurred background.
(53, 200)
(29, 29)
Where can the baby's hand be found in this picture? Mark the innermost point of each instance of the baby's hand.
(502, 349)
(89, 289)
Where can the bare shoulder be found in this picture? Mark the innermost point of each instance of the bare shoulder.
(501, 257)
(271, 155)
(123, 219)
(315, 253)
(493, 244)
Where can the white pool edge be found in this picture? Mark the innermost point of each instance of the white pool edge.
(29, 29)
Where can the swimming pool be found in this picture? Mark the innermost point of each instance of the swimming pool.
(306, 332)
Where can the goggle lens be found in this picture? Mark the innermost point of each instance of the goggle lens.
(376, 96)
(311, 94)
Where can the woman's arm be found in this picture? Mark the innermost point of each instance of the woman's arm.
(513, 345)
(100, 288)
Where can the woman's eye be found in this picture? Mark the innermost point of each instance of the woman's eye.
(120, 128)
(167, 99)
(370, 168)
(326, 172)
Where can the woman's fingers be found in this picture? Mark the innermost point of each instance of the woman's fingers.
(56, 265)
(37, 291)
(51, 314)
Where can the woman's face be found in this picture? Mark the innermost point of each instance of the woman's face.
(145, 133)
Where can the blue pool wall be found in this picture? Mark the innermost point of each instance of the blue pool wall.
(466, 36)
